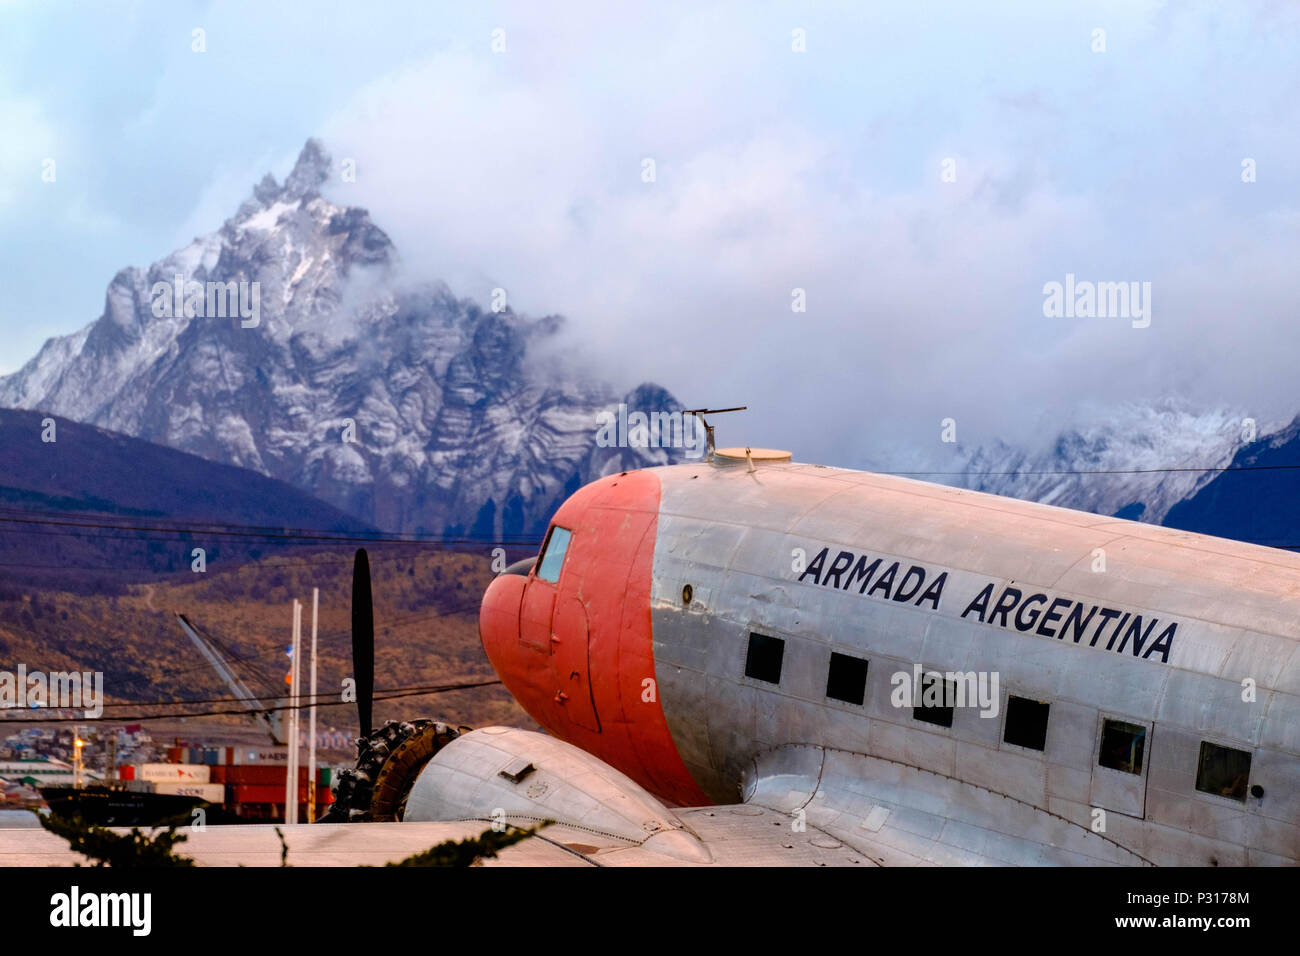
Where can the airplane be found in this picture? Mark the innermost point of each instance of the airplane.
(751, 661)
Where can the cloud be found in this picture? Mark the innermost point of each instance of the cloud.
(820, 171)
(28, 140)
(924, 297)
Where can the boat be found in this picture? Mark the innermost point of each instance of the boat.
(116, 806)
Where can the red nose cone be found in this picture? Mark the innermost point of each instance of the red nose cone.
(498, 619)
(577, 653)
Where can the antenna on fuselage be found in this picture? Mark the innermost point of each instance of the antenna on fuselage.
(708, 429)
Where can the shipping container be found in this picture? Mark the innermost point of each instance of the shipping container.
(188, 772)
(259, 775)
(259, 793)
(203, 755)
(263, 756)
(211, 792)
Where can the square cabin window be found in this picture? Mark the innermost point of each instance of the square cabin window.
(1223, 771)
(763, 661)
(847, 680)
(553, 552)
(940, 716)
(1122, 744)
(1026, 723)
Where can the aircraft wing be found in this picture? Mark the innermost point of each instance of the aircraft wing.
(803, 805)
(898, 815)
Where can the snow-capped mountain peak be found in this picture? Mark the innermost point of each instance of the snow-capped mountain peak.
(407, 407)
(1133, 460)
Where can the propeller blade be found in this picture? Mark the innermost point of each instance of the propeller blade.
(363, 639)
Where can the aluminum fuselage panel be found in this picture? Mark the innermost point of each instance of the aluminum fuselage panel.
(745, 541)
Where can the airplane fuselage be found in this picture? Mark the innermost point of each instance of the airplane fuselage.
(1138, 681)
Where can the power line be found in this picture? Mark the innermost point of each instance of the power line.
(1102, 471)
(269, 532)
(255, 661)
(191, 529)
(250, 711)
(348, 558)
(286, 534)
(411, 688)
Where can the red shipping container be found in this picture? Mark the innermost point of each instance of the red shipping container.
(245, 793)
(255, 793)
(126, 772)
(264, 776)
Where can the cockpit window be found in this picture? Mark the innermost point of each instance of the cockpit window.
(552, 559)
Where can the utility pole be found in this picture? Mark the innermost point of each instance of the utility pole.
(311, 724)
(291, 777)
(77, 744)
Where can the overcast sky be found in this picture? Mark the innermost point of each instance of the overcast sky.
(775, 170)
